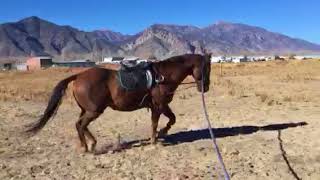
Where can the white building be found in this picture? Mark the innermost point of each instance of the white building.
(300, 57)
(115, 60)
(270, 58)
(217, 59)
(130, 58)
(22, 67)
(308, 57)
(260, 58)
(112, 59)
(228, 59)
(238, 59)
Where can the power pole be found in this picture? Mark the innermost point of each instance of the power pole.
(102, 55)
(220, 69)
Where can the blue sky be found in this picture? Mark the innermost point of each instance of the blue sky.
(296, 18)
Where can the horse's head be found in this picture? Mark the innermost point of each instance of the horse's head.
(201, 72)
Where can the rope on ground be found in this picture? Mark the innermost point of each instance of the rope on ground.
(284, 155)
(215, 145)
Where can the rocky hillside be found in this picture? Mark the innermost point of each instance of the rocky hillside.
(34, 36)
(220, 38)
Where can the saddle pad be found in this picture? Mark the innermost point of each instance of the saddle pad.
(135, 80)
(134, 66)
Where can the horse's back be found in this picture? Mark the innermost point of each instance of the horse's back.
(110, 66)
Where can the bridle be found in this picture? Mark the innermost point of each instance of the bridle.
(193, 82)
(159, 79)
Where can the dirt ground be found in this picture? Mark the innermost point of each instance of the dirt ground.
(266, 117)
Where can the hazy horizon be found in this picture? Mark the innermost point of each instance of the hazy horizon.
(296, 19)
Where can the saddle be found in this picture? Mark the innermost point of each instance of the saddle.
(134, 76)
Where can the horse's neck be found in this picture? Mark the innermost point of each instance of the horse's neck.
(174, 73)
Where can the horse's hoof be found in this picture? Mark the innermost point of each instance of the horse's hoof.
(162, 133)
(153, 141)
(81, 149)
(92, 148)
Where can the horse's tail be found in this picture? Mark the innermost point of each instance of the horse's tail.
(52, 107)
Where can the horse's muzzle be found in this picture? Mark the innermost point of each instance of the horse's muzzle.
(199, 87)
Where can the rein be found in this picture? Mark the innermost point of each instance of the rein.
(213, 138)
(187, 83)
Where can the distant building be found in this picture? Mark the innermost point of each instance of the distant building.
(134, 59)
(21, 66)
(115, 60)
(300, 57)
(5, 66)
(270, 58)
(238, 59)
(259, 58)
(112, 59)
(307, 57)
(130, 58)
(35, 63)
(74, 63)
(217, 59)
(281, 58)
(13, 65)
(228, 59)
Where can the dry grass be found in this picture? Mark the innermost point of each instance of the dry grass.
(34, 86)
(272, 82)
(248, 96)
(305, 68)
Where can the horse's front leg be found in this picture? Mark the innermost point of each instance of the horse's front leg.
(155, 115)
(172, 120)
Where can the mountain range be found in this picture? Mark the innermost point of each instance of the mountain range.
(34, 36)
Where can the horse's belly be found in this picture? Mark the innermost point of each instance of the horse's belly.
(128, 102)
(126, 108)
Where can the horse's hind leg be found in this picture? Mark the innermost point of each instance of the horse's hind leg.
(83, 131)
(92, 140)
(83, 144)
(172, 120)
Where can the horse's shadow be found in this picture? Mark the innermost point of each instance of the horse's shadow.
(195, 135)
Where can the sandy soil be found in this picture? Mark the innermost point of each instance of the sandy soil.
(259, 137)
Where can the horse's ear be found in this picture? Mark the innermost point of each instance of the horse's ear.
(207, 53)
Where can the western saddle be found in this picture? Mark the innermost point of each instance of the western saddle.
(134, 76)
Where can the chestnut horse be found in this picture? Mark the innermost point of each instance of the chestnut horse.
(97, 88)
